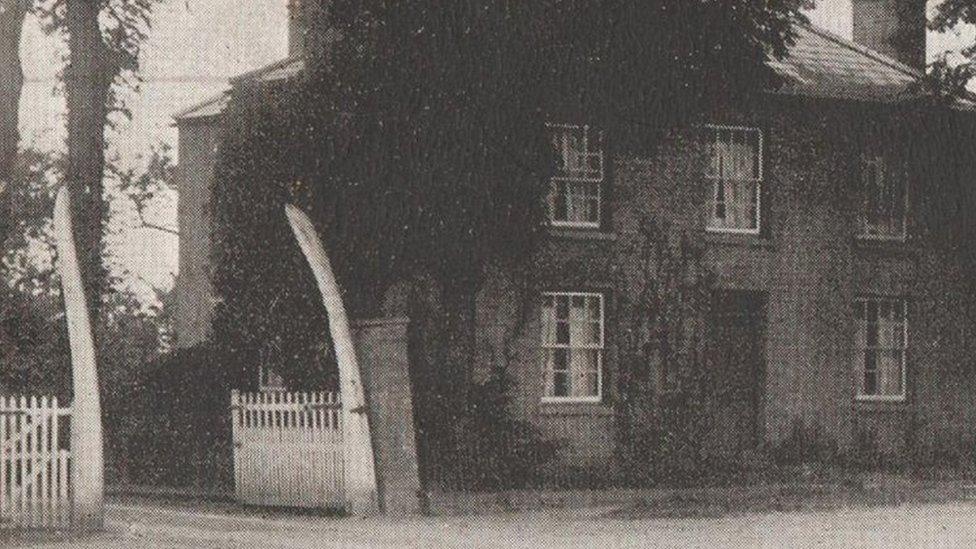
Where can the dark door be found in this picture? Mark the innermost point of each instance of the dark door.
(735, 362)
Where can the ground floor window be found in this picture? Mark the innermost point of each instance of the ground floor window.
(269, 380)
(880, 343)
(573, 343)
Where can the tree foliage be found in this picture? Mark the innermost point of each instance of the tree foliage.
(950, 79)
(417, 135)
(104, 39)
(950, 14)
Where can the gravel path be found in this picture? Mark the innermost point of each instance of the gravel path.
(135, 525)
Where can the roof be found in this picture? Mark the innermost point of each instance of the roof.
(821, 64)
(284, 69)
(210, 107)
(818, 64)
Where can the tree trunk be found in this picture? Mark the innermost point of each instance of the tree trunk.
(88, 79)
(452, 370)
(12, 13)
(459, 313)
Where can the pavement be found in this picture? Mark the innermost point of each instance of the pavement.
(147, 524)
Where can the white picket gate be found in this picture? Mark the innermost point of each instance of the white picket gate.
(288, 449)
(34, 463)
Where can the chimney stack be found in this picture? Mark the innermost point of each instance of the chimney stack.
(895, 28)
(297, 26)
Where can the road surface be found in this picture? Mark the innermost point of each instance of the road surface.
(153, 525)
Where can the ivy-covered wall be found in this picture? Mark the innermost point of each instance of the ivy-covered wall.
(806, 266)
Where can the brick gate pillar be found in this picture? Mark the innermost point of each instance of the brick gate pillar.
(381, 347)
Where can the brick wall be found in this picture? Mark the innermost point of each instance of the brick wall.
(807, 265)
(381, 347)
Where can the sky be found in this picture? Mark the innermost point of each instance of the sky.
(195, 46)
(835, 16)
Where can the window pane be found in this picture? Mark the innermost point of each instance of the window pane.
(580, 324)
(560, 359)
(548, 321)
(898, 336)
(899, 311)
(596, 309)
(558, 200)
(584, 368)
(719, 210)
(595, 337)
(562, 333)
(870, 360)
(860, 337)
(872, 334)
(890, 373)
(870, 383)
(562, 307)
(593, 210)
(560, 384)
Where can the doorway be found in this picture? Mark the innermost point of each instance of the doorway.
(735, 361)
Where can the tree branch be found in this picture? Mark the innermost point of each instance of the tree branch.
(144, 224)
(147, 225)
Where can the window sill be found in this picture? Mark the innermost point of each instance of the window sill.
(581, 233)
(574, 408)
(884, 245)
(869, 404)
(749, 240)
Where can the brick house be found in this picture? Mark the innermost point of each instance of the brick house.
(835, 305)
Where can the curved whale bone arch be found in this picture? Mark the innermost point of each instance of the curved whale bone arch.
(359, 464)
(87, 460)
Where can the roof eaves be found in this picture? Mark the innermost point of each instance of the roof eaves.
(259, 72)
(207, 108)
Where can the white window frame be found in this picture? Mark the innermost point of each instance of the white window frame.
(600, 348)
(594, 177)
(859, 352)
(862, 223)
(714, 130)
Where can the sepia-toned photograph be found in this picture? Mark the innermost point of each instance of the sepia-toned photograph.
(488, 273)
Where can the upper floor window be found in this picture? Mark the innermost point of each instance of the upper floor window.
(880, 345)
(572, 340)
(883, 199)
(575, 189)
(735, 172)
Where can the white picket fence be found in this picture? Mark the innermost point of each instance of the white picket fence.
(34, 463)
(288, 449)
